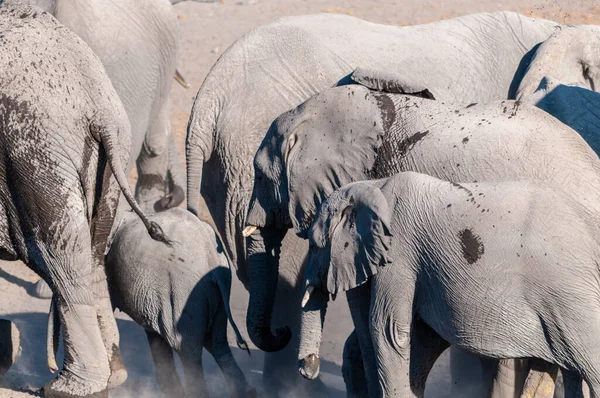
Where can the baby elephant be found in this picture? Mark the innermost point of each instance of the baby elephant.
(180, 295)
(503, 270)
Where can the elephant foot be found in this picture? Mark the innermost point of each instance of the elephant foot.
(42, 290)
(309, 366)
(118, 371)
(68, 385)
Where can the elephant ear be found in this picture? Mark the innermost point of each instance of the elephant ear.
(570, 56)
(360, 238)
(391, 83)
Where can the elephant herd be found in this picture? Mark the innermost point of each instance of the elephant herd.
(444, 176)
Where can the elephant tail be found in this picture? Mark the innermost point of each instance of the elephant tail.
(53, 336)
(223, 281)
(109, 137)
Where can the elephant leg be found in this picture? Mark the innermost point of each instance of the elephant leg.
(426, 348)
(391, 331)
(160, 176)
(573, 384)
(164, 366)
(108, 329)
(102, 224)
(86, 368)
(191, 347)
(217, 345)
(9, 345)
(359, 302)
(353, 369)
(195, 383)
(508, 378)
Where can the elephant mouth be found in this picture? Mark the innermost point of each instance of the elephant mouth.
(309, 366)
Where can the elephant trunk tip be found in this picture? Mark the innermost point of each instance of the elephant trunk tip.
(309, 366)
(268, 342)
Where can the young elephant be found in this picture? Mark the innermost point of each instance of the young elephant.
(180, 295)
(502, 269)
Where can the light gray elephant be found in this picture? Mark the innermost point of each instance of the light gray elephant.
(137, 41)
(276, 67)
(502, 269)
(352, 133)
(64, 139)
(180, 295)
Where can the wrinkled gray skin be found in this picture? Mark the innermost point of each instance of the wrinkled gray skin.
(137, 41)
(276, 67)
(180, 295)
(501, 269)
(351, 133)
(64, 137)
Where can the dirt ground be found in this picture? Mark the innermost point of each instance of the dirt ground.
(206, 31)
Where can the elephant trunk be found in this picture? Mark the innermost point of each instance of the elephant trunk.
(311, 330)
(194, 163)
(263, 248)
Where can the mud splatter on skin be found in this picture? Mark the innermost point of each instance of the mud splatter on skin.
(407, 144)
(471, 245)
(388, 110)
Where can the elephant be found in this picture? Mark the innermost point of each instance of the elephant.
(180, 296)
(353, 133)
(278, 66)
(64, 142)
(502, 269)
(137, 41)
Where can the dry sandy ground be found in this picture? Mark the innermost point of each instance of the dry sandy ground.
(207, 30)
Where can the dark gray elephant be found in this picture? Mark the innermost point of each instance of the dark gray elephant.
(10, 345)
(64, 140)
(502, 269)
(180, 295)
(137, 41)
(353, 133)
(276, 67)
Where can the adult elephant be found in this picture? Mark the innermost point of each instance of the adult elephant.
(276, 67)
(352, 133)
(64, 141)
(137, 41)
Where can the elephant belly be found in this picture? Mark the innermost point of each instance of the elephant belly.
(491, 321)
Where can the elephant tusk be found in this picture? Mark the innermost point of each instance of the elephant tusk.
(307, 293)
(180, 79)
(248, 230)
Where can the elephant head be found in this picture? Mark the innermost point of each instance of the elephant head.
(330, 140)
(349, 241)
(571, 56)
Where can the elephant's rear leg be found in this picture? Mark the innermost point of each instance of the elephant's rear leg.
(426, 348)
(353, 370)
(69, 273)
(217, 345)
(190, 350)
(164, 366)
